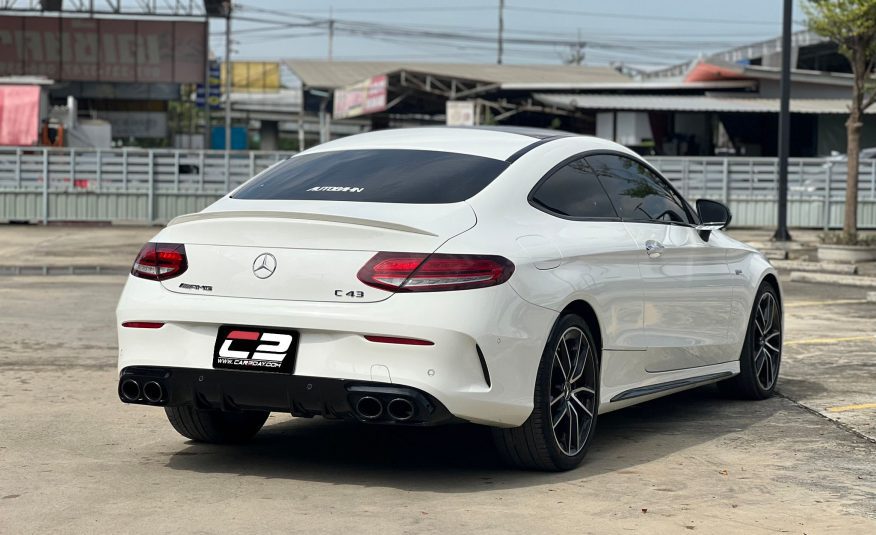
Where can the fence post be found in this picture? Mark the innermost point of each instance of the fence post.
(201, 162)
(45, 186)
(72, 169)
(176, 170)
(99, 170)
(725, 181)
(18, 168)
(151, 188)
(251, 164)
(685, 175)
(826, 208)
(227, 170)
(125, 169)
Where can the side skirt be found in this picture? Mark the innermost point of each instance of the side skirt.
(689, 382)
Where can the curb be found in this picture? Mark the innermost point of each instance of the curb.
(830, 278)
(824, 267)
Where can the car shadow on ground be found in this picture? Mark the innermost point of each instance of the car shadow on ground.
(461, 458)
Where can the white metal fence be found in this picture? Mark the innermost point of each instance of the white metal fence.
(119, 184)
(153, 186)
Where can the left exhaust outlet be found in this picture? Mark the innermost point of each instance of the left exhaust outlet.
(130, 390)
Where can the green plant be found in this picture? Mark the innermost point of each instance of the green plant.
(851, 24)
(847, 238)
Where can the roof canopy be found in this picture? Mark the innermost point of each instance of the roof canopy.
(693, 103)
(336, 74)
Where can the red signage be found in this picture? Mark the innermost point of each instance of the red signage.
(362, 98)
(19, 114)
(103, 50)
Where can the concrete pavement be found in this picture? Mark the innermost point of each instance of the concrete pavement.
(74, 459)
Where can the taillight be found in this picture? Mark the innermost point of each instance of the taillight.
(160, 261)
(420, 272)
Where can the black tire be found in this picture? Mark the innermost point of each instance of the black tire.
(751, 382)
(535, 445)
(216, 427)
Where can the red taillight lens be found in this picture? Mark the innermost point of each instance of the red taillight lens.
(398, 340)
(142, 324)
(160, 261)
(417, 272)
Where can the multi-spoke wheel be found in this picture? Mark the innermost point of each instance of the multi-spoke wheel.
(557, 434)
(762, 352)
(573, 390)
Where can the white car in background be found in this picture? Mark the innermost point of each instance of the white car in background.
(526, 280)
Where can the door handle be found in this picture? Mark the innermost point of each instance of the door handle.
(654, 248)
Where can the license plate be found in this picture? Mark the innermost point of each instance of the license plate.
(262, 349)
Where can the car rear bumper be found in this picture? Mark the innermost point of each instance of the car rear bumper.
(299, 395)
(482, 366)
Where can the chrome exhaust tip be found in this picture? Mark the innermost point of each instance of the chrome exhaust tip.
(369, 407)
(152, 391)
(400, 409)
(130, 390)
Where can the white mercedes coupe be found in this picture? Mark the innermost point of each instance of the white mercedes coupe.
(526, 280)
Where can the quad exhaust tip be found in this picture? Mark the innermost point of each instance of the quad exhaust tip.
(400, 409)
(153, 392)
(369, 407)
(131, 390)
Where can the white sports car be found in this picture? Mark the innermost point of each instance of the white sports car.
(514, 278)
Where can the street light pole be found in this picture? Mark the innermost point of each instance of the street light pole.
(501, 29)
(228, 77)
(782, 233)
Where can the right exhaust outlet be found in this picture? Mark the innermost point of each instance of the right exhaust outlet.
(400, 409)
(153, 392)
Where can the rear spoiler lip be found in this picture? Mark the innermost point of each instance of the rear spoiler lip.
(305, 216)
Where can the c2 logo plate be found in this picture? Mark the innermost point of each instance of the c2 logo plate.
(263, 349)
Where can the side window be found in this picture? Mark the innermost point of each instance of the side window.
(574, 191)
(636, 192)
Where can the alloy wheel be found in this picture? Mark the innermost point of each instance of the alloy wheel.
(767, 341)
(572, 391)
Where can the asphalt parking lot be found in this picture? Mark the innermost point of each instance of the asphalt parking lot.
(74, 459)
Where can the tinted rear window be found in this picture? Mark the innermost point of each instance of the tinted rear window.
(383, 175)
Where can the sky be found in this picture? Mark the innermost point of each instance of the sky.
(634, 32)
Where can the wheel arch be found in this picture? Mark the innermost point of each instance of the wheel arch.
(772, 279)
(585, 310)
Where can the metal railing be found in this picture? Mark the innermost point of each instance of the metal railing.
(72, 182)
(153, 186)
(816, 188)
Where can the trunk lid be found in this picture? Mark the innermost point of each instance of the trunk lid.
(309, 251)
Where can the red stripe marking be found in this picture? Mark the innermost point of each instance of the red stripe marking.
(243, 335)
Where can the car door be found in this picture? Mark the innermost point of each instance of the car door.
(597, 254)
(686, 284)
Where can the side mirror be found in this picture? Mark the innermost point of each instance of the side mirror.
(713, 216)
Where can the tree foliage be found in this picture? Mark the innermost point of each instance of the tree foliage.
(851, 24)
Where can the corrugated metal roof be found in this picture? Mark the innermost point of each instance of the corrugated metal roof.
(696, 103)
(334, 74)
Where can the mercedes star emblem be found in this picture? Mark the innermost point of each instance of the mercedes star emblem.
(264, 265)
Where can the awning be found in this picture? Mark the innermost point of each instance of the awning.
(693, 103)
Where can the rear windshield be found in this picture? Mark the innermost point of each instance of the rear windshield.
(382, 175)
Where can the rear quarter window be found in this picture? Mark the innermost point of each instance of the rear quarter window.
(379, 175)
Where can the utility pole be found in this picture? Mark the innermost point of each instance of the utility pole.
(782, 233)
(331, 34)
(501, 29)
(228, 77)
